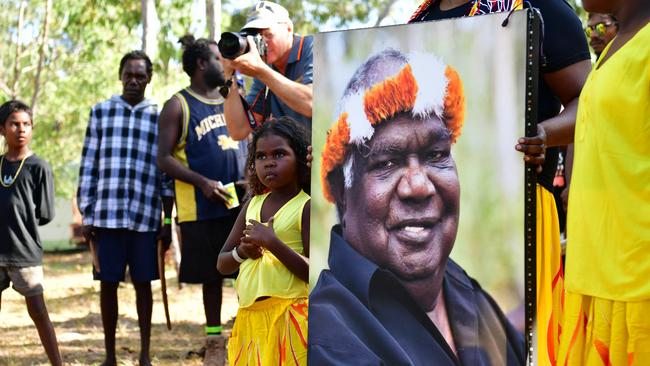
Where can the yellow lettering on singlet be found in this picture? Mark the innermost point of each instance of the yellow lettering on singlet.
(208, 124)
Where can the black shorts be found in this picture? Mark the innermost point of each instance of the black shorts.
(117, 248)
(201, 242)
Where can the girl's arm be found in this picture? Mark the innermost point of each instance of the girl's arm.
(264, 235)
(226, 263)
(306, 229)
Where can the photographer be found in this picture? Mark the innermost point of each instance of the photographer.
(284, 67)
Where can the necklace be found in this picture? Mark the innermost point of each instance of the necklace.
(7, 180)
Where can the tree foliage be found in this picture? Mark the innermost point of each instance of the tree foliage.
(577, 6)
(78, 53)
(312, 16)
(81, 54)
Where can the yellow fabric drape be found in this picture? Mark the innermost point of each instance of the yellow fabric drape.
(550, 279)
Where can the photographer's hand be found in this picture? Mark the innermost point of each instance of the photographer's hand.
(234, 110)
(250, 63)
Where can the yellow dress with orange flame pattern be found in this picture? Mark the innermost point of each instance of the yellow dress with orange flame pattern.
(272, 331)
(607, 303)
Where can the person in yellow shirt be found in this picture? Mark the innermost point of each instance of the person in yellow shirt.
(607, 298)
(269, 244)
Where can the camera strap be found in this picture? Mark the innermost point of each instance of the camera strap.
(267, 105)
(252, 123)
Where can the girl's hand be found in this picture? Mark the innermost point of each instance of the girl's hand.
(259, 234)
(249, 250)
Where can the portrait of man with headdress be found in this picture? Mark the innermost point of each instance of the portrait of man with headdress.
(391, 293)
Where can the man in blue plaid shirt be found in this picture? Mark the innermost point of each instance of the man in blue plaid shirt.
(121, 192)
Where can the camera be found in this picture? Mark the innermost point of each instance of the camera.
(233, 44)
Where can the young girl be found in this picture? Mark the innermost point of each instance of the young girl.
(26, 201)
(607, 298)
(270, 245)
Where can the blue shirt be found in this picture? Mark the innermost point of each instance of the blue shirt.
(360, 314)
(299, 69)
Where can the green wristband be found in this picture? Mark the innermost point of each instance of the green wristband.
(167, 221)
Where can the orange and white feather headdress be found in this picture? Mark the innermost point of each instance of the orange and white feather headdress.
(424, 86)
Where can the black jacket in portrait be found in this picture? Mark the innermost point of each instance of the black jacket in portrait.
(360, 314)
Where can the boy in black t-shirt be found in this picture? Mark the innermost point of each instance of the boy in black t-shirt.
(26, 201)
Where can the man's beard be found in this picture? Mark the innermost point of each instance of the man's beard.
(214, 78)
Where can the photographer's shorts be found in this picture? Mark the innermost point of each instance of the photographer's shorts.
(201, 242)
(117, 248)
(27, 281)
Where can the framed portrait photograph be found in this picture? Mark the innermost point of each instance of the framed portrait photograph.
(422, 209)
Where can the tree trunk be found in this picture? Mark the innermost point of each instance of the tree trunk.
(5, 88)
(214, 18)
(150, 28)
(19, 31)
(384, 12)
(41, 54)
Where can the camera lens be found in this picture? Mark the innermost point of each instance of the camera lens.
(232, 45)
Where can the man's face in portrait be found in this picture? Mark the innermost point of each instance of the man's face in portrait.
(401, 211)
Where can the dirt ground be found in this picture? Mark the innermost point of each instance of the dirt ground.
(72, 298)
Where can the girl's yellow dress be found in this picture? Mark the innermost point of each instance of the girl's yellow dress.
(272, 331)
(607, 303)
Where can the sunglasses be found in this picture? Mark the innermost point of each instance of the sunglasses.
(599, 28)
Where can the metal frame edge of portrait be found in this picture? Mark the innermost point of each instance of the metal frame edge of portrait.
(533, 41)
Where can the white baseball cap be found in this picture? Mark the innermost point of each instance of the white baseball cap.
(265, 14)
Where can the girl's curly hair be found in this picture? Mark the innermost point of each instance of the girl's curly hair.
(298, 138)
